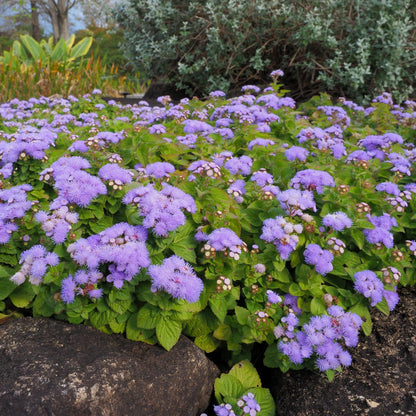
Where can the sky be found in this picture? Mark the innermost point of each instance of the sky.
(75, 20)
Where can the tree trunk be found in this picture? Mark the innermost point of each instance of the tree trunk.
(35, 20)
(58, 11)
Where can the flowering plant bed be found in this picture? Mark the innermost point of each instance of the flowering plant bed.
(232, 221)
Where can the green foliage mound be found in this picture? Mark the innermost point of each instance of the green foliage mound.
(245, 224)
(344, 47)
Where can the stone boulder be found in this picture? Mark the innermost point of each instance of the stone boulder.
(380, 382)
(52, 368)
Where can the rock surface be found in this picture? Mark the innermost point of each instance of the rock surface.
(53, 368)
(380, 382)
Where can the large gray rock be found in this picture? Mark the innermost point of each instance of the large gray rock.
(380, 382)
(51, 368)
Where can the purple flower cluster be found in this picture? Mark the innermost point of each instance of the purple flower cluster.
(196, 126)
(296, 153)
(273, 297)
(324, 139)
(237, 190)
(277, 73)
(27, 142)
(282, 234)
(157, 129)
(312, 180)
(74, 185)
(204, 168)
(224, 240)
(188, 140)
(381, 233)
(35, 262)
(122, 245)
(159, 170)
(105, 138)
(240, 165)
(262, 178)
(336, 114)
(358, 155)
(369, 285)
(82, 283)
(337, 221)
(388, 187)
(13, 204)
(400, 163)
(162, 210)
(58, 224)
(320, 258)
(321, 335)
(115, 175)
(294, 201)
(249, 405)
(177, 278)
(275, 102)
(224, 409)
(260, 142)
(411, 244)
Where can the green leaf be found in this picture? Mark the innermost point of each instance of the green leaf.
(117, 327)
(201, 324)
(6, 285)
(330, 374)
(99, 320)
(168, 332)
(271, 356)
(253, 216)
(43, 305)
(32, 46)
(383, 307)
(148, 317)
(265, 399)
(358, 238)
(120, 306)
(184, 250)
(60, 51)
(22, 295)
(367, 326)
(9, 259)
(295, 290)
(220, 197)
(318, 306)
(101, 225)
(207, 343)
(81, 48)
(70, 41)
(242, 315)
(218, 306)
(139, 334)
(228, 385)
(223, 332)
(246, 373)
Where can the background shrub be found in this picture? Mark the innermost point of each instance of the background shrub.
(344, 47)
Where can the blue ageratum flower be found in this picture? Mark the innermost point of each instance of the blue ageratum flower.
(320, 258)
(381, 234)
(313, 180)
(162, 210)
(177, 278)
(296, 153)
(389, 188)
(369, 285)
(337, 221)
(35, 262)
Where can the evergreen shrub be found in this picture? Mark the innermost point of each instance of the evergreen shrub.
(353, 48)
